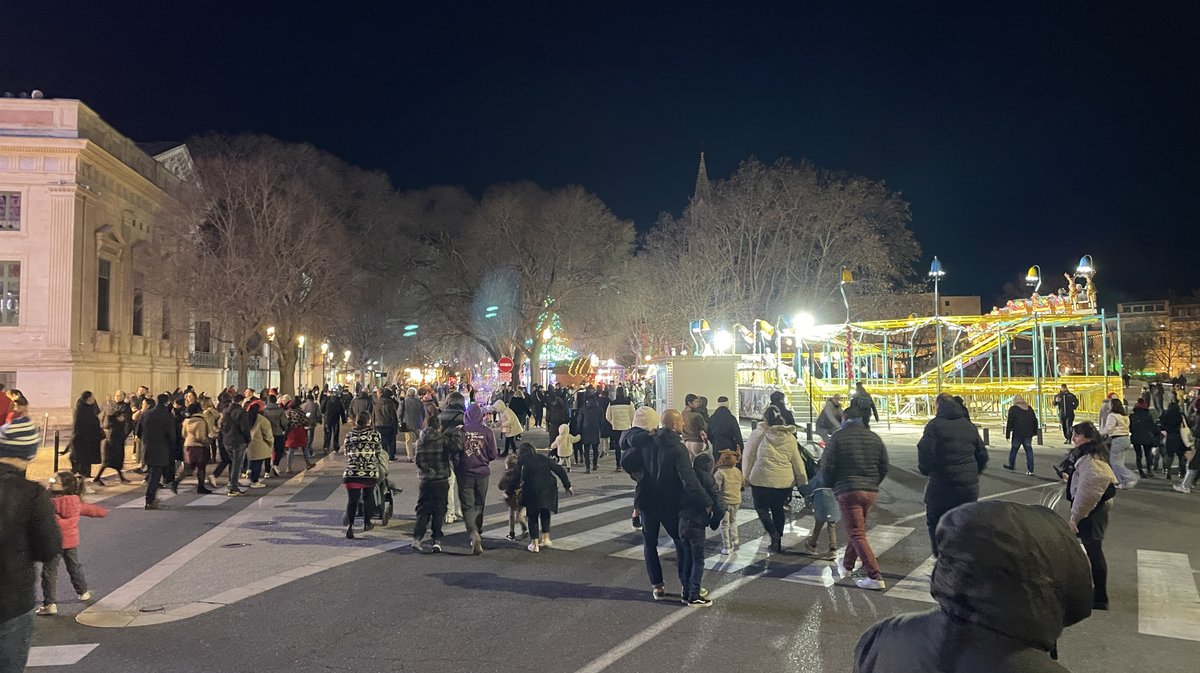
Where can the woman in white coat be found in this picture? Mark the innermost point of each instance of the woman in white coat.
(773, 466)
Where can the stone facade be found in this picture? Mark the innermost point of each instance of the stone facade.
(80, 202)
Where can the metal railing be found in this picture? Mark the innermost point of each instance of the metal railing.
(205, 360)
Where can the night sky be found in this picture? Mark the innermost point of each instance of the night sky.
(1022, 133)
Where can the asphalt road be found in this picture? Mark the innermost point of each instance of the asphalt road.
(292, 594)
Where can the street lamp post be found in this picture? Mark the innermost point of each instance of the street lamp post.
(300, 366)
(802, 324)
(270, 354)
(936, 273)
(1033, 278)
(324, 357)
(847, 278)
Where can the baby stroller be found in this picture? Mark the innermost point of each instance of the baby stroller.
(384, 494)
(810, 453)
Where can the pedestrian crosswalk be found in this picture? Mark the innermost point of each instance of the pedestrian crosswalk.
(59, 655)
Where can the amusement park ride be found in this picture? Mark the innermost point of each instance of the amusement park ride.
(1028, 347)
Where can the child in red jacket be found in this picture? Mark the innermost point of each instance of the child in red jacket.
(68, 507)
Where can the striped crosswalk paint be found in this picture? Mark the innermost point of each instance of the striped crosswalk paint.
(666, 545)
(881, 538)
(1168, 603)
(915, 587)
(210, 500)
(163, 495)
(748, 552)
(578, 512)
(59, 655)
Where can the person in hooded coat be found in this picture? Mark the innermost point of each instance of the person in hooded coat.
(539, 492)
(590, 431)
(773, 466)
(952, 455)
(1171, 422)
(1009, 579)
(724, 431)
(87, 437)
(1021, 428)
(1144, 434)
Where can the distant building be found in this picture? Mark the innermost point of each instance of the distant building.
(1161, 336)
(78, 203)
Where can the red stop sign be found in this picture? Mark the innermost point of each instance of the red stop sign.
(505, 365)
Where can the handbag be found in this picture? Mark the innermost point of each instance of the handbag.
(1185, 433)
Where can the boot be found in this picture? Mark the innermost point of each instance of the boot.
(1186, 486)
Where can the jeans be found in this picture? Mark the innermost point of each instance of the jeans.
(1067, 421)
(387, 436)
(1116, 460)
(472, 492)
(1017, 443)
(539, 522)
(237, 455)
(312, 433)
(729, 531)
(279, 450)
(431, 507)
(855, 505)
(333, 432)
(690, 548)
(769, 503)
(70, 557)
(650, 527)
(940, 499)
(591, 455)
(257, 468)
(16, 636)
(154, 477)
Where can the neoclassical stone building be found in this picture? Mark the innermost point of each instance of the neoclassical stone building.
(78, 310)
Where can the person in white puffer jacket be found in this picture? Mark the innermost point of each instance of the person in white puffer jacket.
(773, 466)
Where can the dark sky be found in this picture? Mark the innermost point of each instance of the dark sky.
(1021, 133)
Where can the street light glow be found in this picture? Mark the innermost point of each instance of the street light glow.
(803, 323)
(547, 334)
(300, 340)
(324, 347)
(722, 341)
(270, 334)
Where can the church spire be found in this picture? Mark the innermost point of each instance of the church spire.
(703, 190)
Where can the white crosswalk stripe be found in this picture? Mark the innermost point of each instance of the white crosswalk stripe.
(210, 500)
(59, 655)
(164, 494)
(881, 538)
(915, 586)
(576, 513)
(1168, 603)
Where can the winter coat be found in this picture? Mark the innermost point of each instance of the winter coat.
(1142, 429)
(564, 442)
(831, 416)
(433, 455)
(589, 423)
(28, 535)
(118, 419)
(772, 458)
(950, 451)
(729, 483)
(235, 427)
(262, 439)
(1022, 423)
(724, 431)
(702, 466)
(196, 431)
(157, 430)
(296, 435)
(88, 435)
(855, 459)
(67, 510)
(539, 490)
(385, 413)
(360, 404)
(1087, 484)
(1115, 425)
(334, 411)
(276, 416)
(520, 407)
(556, 412)
(668, 482)
(451, 417)
(362, 455)
(693, 424)
(509, 483)
(478, 442)
(1002, 603)
(620, 416)
(510, 425)
(312, 413)
(413, 414)
(1066, 403)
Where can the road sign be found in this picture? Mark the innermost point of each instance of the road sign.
(504, 377)
(505, 365)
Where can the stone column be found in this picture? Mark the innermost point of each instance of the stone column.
(61, 271)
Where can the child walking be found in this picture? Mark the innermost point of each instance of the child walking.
(825, 511)
(68, 507)
(563, 446)
(693, 519)
(729, 482)
(512, 497)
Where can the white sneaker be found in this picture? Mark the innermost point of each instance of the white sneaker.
(724, 551)
(547, 543)
(533, 547)
(48, 610)
(258, 484)
(85, 596)
(1180, 488)
(275, 471)
(873, 585)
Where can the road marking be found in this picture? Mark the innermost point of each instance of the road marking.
(210, 500)
(576, 513)
(139, 502)
(59, 655)
(1168, 603)
(666, 546)
(881, 538)
(654, 630)
(921, 514)
(915, 587)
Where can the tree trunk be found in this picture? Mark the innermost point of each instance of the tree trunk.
(535, 365)
(243, 369)
(287, 370)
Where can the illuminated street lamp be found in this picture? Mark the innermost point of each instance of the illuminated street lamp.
(937, 273)
(325, 356)
(270, 357)
(802, 325)
(1033, 278)
(300, 368)
(547, 334)
(1085, 268)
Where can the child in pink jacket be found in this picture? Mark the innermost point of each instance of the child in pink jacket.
(68, 507)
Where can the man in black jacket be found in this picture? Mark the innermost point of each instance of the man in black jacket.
(29, 534)
(668, 484)
(386, 419)
(853, 465)
(158, 434)
(334, 415)
(952, 455)
(724, 431)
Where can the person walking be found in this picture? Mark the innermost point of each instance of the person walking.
(855, 463)
(157, 430)
(29, 535)
(1066, 403)
(296, 436)
(258, 452)
(235, 437)
(1002, 603)
(520, 406)
(312, 418)
(724, 431)
(276, 414)
(510, 426)
(1143, 433)
(779, 401)
(1172, 423)
(66, 493)
(433, 471)
(87, 436)
(539, 493)
(1116, 429)
(693, 520)
(537, 404)
(334, 415)
(590, 433)
(619, 416)
(729, 483)
(413, 418)
(645, 421)
(385, 416)
(695, 425)
(197, 436)
(1021, 427)
(451, 419)
(1091, 486)
(864, 402)
(556, 415)
(472, 468)
(118, 420)
(363, 447)
(773, 466)
(361, 402)
(831, 417)
(952, 455)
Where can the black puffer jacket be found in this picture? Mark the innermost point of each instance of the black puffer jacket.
(724, 431)
(28, 533)
(1009, 578)
(1142, 429)
(950, 452)
(669, 483)
(855, 459)
(1022, 423)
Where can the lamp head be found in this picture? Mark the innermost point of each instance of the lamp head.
(935, 268)
(1085, 268)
